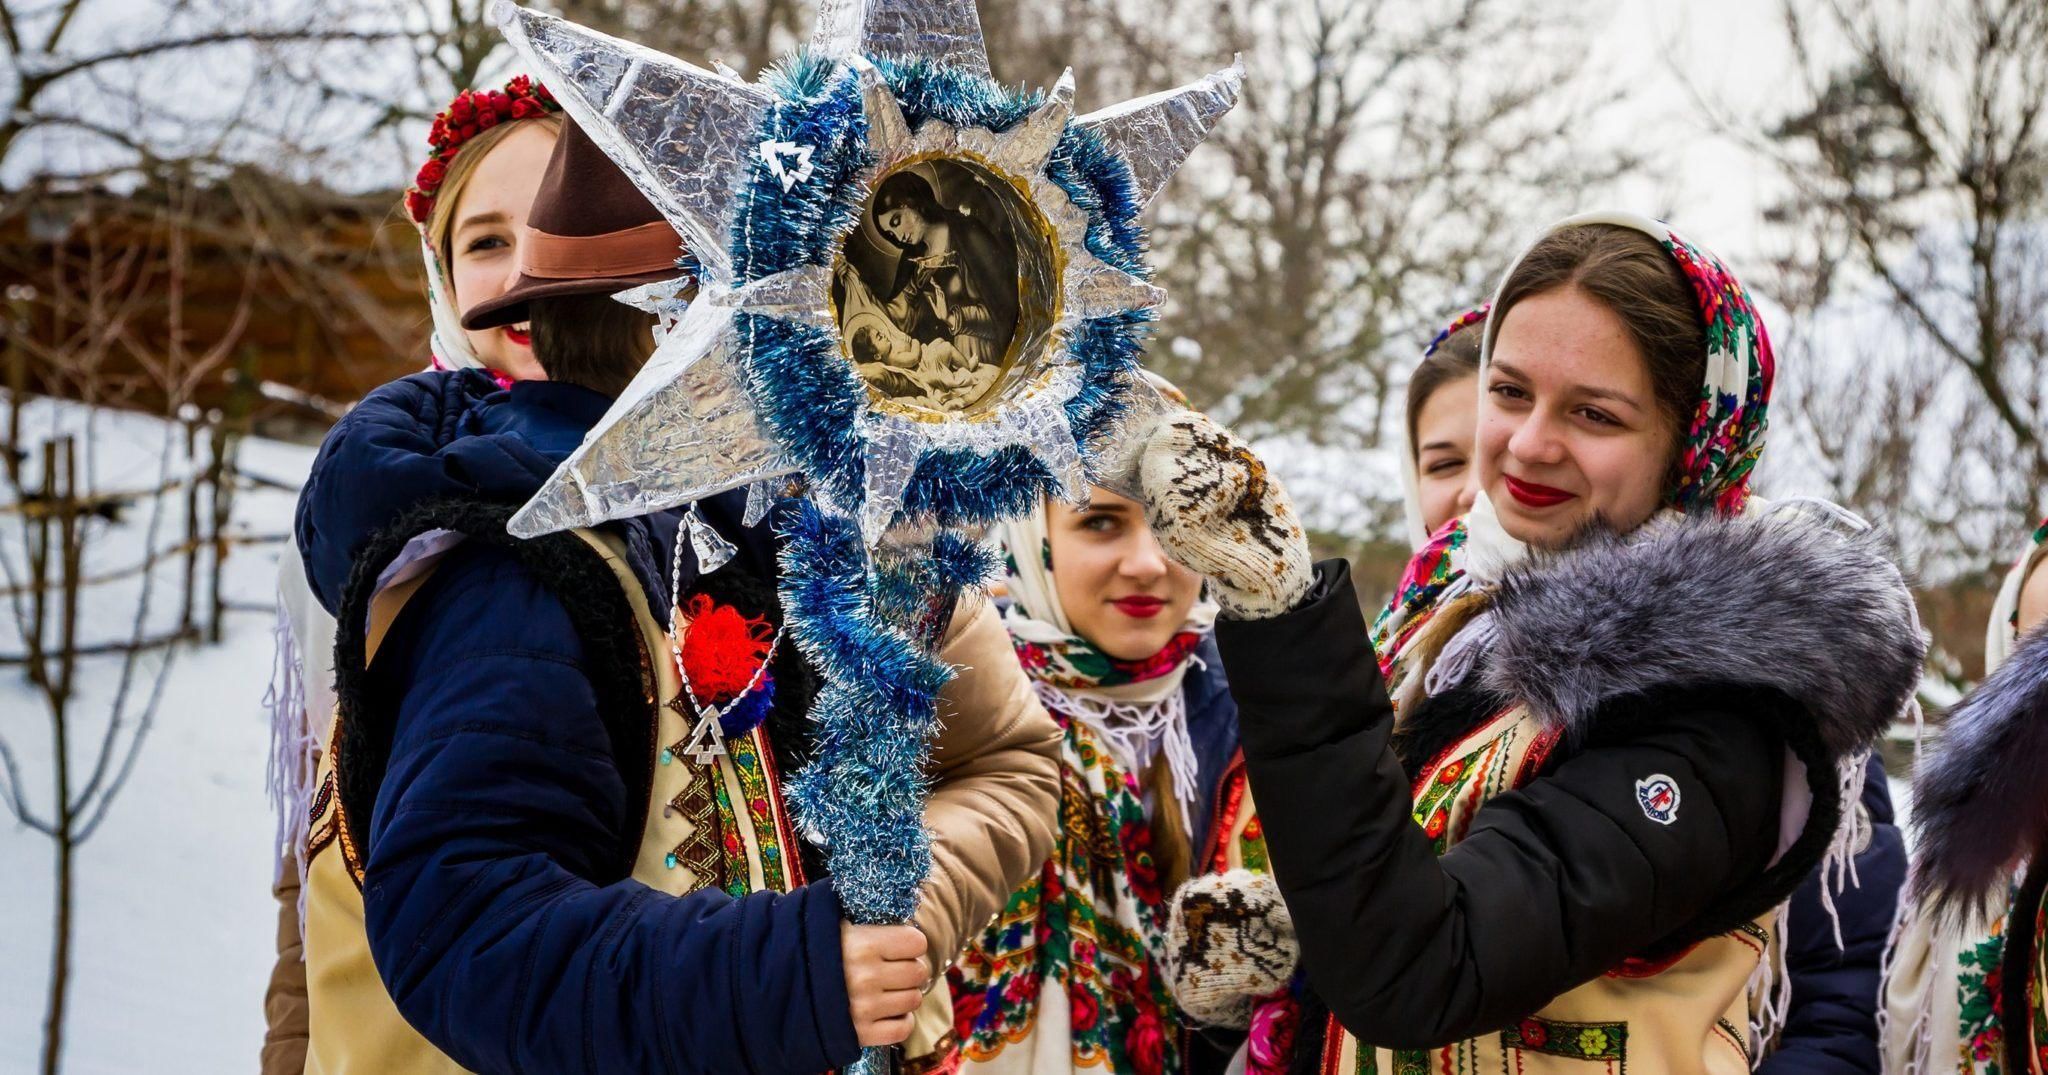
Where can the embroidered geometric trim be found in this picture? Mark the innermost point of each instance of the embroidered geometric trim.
(321, 823)
(942, 1060)
(736, 872)
(351, 856)
(1578, 1041)
(320, 799)
(699, 850)
(1229, 800)
(1735, 1037)
(746, 762)
(319, 837)
(1406, 1061)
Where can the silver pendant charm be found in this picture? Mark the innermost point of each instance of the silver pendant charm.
(760, 497)
(710, 546)
(707, 739)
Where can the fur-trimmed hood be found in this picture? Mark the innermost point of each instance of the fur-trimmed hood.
(1777, 600)
(1980, 802)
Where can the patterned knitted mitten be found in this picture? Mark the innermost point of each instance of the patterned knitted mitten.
(1217, 510)
(1229, 941)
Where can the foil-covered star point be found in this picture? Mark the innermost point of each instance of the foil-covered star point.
(705, 146)
(943, 31)
(1156, 133)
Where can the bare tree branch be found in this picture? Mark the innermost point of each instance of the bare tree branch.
(196, 41)
(139, 626)
(17, 803)
(1917, 176)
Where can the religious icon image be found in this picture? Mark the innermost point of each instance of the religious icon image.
(927, 288)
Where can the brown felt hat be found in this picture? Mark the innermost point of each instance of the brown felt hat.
(590, 231)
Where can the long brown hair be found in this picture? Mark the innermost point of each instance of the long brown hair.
(592, 340)
(1632, 275)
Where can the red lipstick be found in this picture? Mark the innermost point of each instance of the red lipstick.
(1530, 494)
(1139, 606)
(518, 337)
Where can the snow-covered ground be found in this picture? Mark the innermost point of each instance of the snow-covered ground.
(174, 922)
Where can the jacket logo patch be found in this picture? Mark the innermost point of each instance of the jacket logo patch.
(1657, 794)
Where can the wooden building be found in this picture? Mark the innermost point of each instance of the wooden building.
(278, 302)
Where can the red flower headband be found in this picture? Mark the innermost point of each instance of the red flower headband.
(470, 113)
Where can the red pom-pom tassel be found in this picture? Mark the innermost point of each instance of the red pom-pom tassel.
(722, 650)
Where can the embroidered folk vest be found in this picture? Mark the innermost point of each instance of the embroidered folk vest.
(1688, 1015)
(721, 825)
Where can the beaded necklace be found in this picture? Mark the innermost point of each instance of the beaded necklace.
(707, 737)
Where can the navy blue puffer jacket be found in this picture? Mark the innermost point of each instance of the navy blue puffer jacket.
(494, 914)
(1831, 1028)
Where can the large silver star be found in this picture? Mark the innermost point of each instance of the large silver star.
(685, 428)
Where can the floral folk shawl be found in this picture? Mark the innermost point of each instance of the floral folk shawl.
(1069, 975)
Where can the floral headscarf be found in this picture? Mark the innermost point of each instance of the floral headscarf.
(1046, 643)
(1136, 707)
(1723, 441)
(2003, 632)
(1727, 431)
(1055, 654)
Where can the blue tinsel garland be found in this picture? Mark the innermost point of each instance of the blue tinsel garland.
(863, 794)
(805, 391)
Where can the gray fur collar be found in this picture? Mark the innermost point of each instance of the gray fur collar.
(1779, 600)
(1981, 802)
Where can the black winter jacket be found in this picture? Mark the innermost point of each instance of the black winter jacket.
(1646, 651)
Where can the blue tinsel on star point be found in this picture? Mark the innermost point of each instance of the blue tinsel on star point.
(807, 393)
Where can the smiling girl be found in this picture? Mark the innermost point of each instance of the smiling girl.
(469, 201)
(489, 150)
(1436, 475)
(1577, 400)
(1836, 932)
(1616, 714)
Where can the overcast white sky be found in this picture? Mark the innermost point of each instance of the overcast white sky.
(1733, 51)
